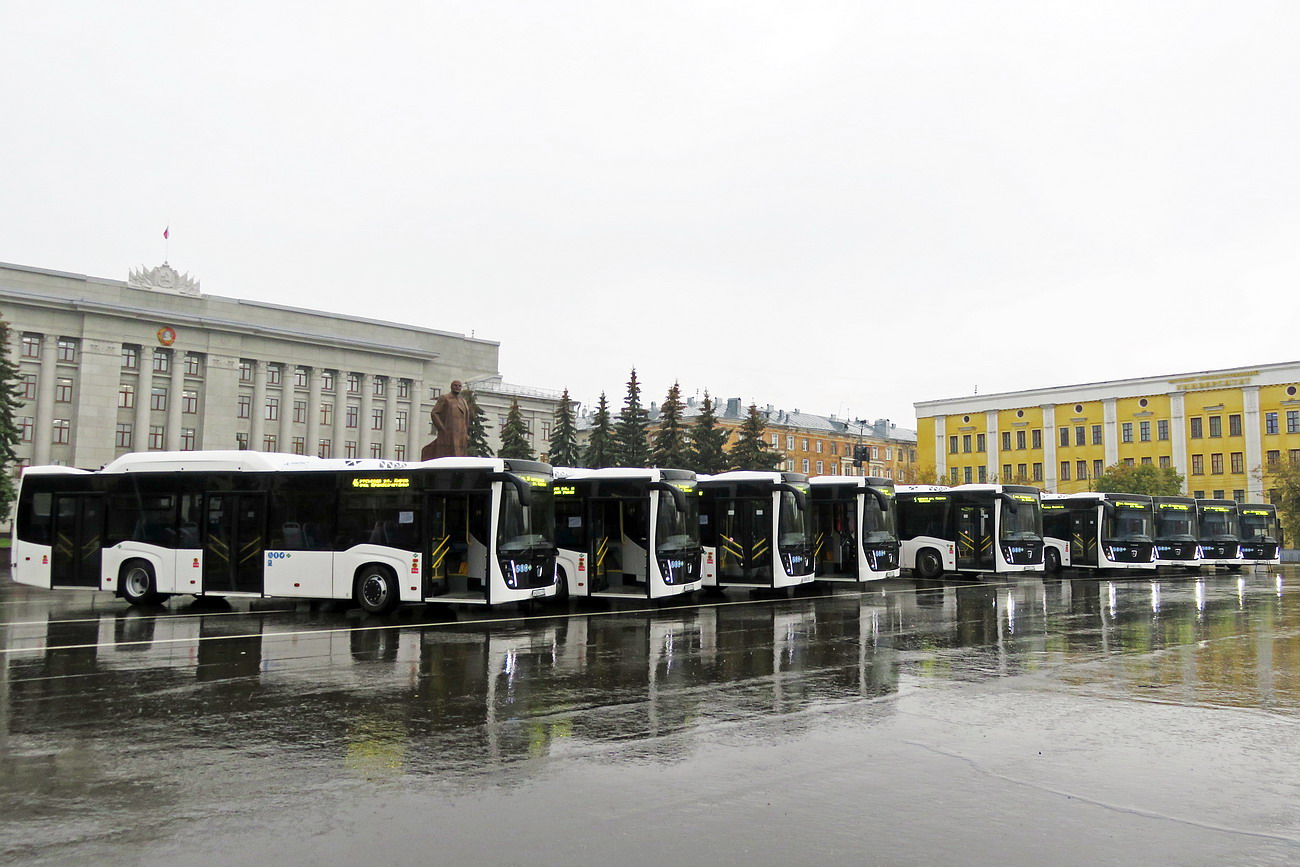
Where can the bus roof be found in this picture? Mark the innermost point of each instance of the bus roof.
(652, 474)
(852, 481)
(244, 461)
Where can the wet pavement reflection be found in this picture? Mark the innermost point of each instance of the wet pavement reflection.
(1067, 720)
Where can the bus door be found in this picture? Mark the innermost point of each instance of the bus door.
(605, 556)
(974, 536)
(745, 539)
(446, 538)
(1083, 538)
(233, 541)
(834, 547)
(78, 536)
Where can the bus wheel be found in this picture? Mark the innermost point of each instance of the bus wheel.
(561, 586)
(376, 590)
(928, 564)
(138, 584)
(1052, 561)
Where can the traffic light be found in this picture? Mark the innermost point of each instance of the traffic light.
(859, 455)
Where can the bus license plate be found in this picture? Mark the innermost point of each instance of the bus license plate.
(540, 591)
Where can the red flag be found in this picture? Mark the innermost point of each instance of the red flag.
(167, 232)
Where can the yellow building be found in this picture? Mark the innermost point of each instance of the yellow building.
(1217, 429)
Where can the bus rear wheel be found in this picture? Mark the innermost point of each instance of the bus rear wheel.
(138, 584)
(928, 564)
(376, 590)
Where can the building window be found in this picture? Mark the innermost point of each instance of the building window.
(1022, 471)
(376, 418)
(1144, 431)
(299, 381)
(402, 415)
(245, 406)
(1083, 470)
(300, 414)
(350, 449)
(1218, 495)
(353, 412)
(269, 443)
(1239, 495)
(1238, 462)
(1097, 469)
(62, 430)
(1198, 465)
(789, 443)
(1164, 462)
(1036, 438)
(1162, 429)
(245, 370)
(404, 389)
(1065, 469)
(1293, 455)
(983, 474)
(131, 357)
(241, 441)
(1126, 432)
(1198, 494)
(323, 449)
(1293, 421)
(158, 398)
(1096, 435)
(965, 443)
(952, 474)
(1006, 472)
(1234, 425)
(376, 450)
(1065, 436)
(274, 374)
(354, 383)
(26, 428)
(27, 388)
(981, 445)
(327, 413)
(1270, 422)
(952, 445)
(966, 475)
(819, 468)
(1080, 438)
(327, 382)
(1196, 428)
(63, 390)
(804, 465)
(1006, 441)
(31, 346)
(1038, 472)
(380, 386)
(1216, 426)
(187, 439)
(1020, 441)
(299, 445)
(67, 350)
(157, 436)
(1128, 462)
(189, 401)
(162, 361)
(1146, 462)
(272, 409)
(123, 437)
(399, 453)
(193, 366)
(1274, 457)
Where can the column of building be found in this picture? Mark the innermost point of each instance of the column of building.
(1254, 447)
(1178, 432)
(415, 438)
(288, 394)
(364, 423)
(175, 396)
(257, 424)
(390, 417)
(313, 410)
(1110, 419)
(44, 433)
(1049, 446)
(143, 391)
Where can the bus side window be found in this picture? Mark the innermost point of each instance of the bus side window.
(36, 521)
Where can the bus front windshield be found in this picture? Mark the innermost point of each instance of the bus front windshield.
(677, 529)
(1130, 523)
(1175, 524)
(531, 530)
(1258, 524)
(1023, 522)
(1218, 522)
(877, 523)
(792, 523)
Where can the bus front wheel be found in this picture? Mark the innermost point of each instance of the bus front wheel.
(1052, 561)
(928, 564)
(139, 586)
(561, 585)
(376, 590)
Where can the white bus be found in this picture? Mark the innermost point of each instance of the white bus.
(1175, 532)
(628, 532)
(855, 528)
(1261, 535)
(755, 529)
(250, 524)
(969, 528)
(1099, 531)
(1220, 533)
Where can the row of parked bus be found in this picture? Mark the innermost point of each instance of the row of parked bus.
(491, 531)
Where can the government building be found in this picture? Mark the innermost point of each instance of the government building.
(108, 367)
(1219, 429)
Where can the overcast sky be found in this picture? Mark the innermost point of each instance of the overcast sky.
(836, 207)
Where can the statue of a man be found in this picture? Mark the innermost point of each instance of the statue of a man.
(450, 416)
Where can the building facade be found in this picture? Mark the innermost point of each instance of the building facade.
(108, 367)
(1219, 429)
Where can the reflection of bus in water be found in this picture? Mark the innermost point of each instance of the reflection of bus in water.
(250, 524)
(1219, 533)
(755, 529)
(969, 528)
(855, 530)
(628, 532)
(1099, 531)
(1261, 535)
(1175, 533)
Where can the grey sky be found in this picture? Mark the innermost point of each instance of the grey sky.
(836, 207)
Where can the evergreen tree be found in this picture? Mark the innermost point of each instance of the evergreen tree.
(562, 450)
(10, 436)
(478, 441)
(600, 445)
(631, 433)
(708, 441)
(514, 436)
(751, 451)
(670, 446)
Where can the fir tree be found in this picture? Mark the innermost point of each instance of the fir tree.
(10, 436)
(708, 441)
(631, 433)
(478, 441)
(600, 445)
(514, 436)
(751, 451)
(562, 450)
(670, 447)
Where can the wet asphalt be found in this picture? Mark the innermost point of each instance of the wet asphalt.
(1073, 720)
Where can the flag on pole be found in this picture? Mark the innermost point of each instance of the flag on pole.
(167, 232)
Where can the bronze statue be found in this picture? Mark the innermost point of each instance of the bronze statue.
(450, 416)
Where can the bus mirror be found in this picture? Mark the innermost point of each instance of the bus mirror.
(1009, 501)
(1108, 508)
(521, 487)
(679, 498)
(880, 498)
(798, 496)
